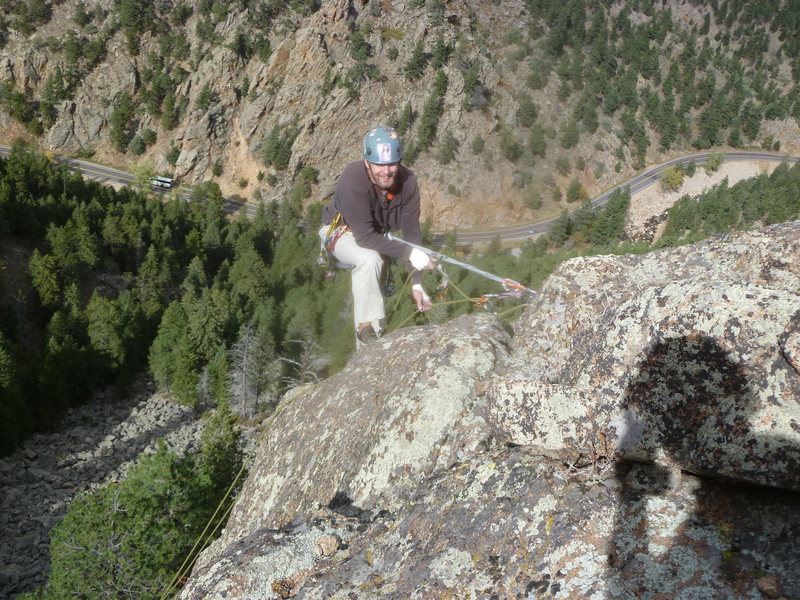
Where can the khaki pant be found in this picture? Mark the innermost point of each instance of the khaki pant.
(367, 278)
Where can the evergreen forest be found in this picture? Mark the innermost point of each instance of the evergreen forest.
(100, 287)
(225, 314)
(114, 283)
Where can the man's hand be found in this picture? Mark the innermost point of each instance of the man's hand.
(420, 260)
(420, 297)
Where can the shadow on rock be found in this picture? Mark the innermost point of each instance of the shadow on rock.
(687, 509)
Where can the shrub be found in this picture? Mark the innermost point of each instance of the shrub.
(149, 137)
(575, 191)
(172, 156)
(447, 149)
(672, 179)
(533, 199)
(137, 145)
(510, 146)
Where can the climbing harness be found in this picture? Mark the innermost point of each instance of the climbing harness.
(336, 229)
(512, 289)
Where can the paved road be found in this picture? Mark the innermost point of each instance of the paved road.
(517, 232)
(636, 184)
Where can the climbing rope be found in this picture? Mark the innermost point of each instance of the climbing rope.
(511, 288)
(182, 575)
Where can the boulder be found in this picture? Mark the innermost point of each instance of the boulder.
(683, 357)
(600, 452)
(398, 413)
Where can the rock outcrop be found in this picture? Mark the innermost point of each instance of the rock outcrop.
(638, 436)
(684, 355)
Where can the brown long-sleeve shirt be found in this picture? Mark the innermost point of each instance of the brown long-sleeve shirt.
(369, 214)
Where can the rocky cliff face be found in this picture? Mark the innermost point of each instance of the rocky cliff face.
(223, 138)
(287, 90)
(637, 436)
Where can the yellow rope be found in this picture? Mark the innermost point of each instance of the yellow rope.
(513, 308)
(200, 543)
(399, 296)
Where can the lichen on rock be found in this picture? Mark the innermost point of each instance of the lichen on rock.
(599, 452)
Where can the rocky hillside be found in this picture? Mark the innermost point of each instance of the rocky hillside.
(636, 435)
(510, 108)
(94, 446)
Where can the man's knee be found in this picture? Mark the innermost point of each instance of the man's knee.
(370, 261)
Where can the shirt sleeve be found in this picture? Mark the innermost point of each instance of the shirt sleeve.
(409, 225)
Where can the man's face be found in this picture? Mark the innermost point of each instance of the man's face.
(382, 175)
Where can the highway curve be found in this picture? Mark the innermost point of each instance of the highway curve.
(517, 232)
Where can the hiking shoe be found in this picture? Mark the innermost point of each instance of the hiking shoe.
(368, 334)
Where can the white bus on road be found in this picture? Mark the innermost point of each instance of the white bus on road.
(164, 182)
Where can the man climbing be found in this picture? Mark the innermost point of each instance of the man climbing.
(373, 197)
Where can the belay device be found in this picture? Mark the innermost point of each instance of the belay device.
(512, 288)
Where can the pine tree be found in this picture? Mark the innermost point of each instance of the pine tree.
(105, 329)
(751, 121)
(170, 332)
(44, 272)
(151, 283)
(120, 133)
(561, 230)
(169, 111)
(610, 223)
(129, 538)
(221, 453)
(253, 374)
(575, 190)
(67, 368)
(16, 418)
(570, 135)
(583, 218)
(537, 144)
(406, 119)
(527, 111)
(441, 53)
(207, 322)
(415, 66)
(185, 372)
(217, 373)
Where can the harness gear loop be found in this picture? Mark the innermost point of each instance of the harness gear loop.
(336, 229)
